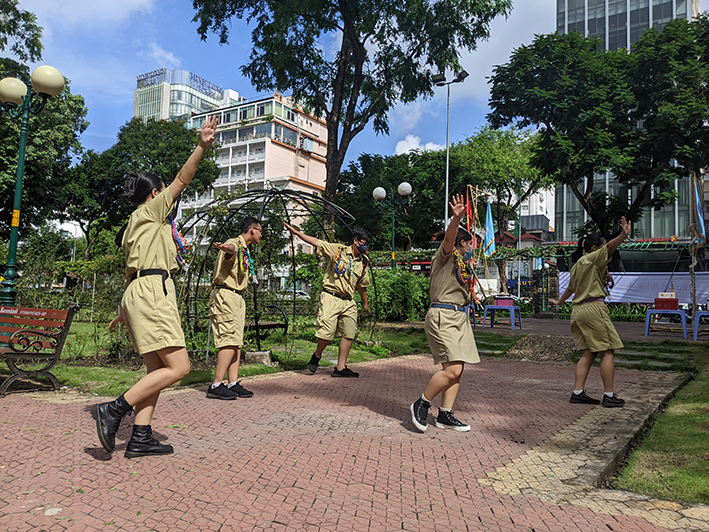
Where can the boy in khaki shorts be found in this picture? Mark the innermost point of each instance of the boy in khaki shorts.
(346, 272)
(227, 308)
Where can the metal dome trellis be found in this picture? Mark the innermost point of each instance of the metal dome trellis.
(216, 221)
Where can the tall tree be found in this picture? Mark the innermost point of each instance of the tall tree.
(386, 52)
(19, 31)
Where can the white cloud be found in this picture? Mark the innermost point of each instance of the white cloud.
(162, 57)
(86, 13)
(412, 142)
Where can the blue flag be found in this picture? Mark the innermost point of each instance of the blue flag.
(489, 234)
(699, 212)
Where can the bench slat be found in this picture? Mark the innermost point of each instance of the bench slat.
(7, 323)
(33, 312)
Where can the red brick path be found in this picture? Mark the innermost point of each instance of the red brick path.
(306, 453)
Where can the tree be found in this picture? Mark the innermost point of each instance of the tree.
(21, 29)
(387, 52)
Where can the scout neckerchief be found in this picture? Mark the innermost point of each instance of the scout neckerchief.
(181, 243)
(245, 261)
(461, 269)
(342, 269)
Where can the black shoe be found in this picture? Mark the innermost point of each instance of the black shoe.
(142, 443)
(612, 402)
(419, 414)
(239, 390)
(584, 399)
(313, 364)
(346, 372)
(221, 392)
(108, 418)
(446, 420)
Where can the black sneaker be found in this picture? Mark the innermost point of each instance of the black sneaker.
(584, 399)
(220, 392)
(446, 420)
(346, 372)
(239, 390)
(313, 364)
(419, 414)
(612, 402)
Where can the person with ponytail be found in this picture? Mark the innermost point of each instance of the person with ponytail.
(591, 325)
(447, 327)
(149, 304)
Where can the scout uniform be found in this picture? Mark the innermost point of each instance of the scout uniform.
(591, 325)
(337, 314)
(227, 308)
(149, 303)
(448, 330)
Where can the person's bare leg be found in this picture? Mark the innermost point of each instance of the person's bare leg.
(322, 344)
(442, 382)
(607, 370)
(343, 352)
(583, 367)
(225, 359)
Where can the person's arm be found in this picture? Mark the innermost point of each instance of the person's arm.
(363, 294)
(305, 238)
(458, 208)
(186, 173)
(617, 241)
(228, 249)
(566, 295)
(115, 321)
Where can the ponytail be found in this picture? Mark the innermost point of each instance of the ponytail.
(585, 245)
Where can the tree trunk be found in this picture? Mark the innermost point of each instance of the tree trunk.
(502, 271)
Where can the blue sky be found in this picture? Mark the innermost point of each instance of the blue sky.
(102, 45)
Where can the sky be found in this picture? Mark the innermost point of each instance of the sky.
(101, 46)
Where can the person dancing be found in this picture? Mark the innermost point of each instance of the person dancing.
(149, 304)
(448, 330)
(591, 325)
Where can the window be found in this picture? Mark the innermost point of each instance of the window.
(263, 109)
(290, 115)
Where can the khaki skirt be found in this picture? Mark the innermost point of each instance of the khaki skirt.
(450, 336)
(592, 328)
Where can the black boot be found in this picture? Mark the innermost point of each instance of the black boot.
(108, 418)
(142, 443)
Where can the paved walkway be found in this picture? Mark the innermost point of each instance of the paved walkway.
(313, 453)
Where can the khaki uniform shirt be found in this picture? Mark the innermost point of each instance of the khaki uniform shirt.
(148, 241)
(589, 275)
(231, 272)
(355, 275)
(445, 286)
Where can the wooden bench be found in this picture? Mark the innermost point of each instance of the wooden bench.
(270, 318)
(31, 341)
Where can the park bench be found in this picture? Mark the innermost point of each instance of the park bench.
(31, 341)
(270, 317)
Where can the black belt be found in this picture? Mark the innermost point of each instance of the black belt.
(152, 271)
(225, 287)
(339, 296)
(448, 307)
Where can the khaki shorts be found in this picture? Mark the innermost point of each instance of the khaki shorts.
(227, 312)
(152, 317)
(450, 336)
(592, 328)
(337, 318)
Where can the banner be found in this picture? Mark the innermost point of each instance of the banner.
(699, 211)
(489, 234)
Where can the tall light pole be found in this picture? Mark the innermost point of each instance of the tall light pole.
(440, 81)
(46, 81)
(380, 194)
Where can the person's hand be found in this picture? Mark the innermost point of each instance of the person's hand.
(554, 301)
(366, 307)
(289, 227)
(115, 321)
(625, 226)
(206, 136)
(457, 205)
(226, 248)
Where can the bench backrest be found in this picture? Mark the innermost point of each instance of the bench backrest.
(55, 322)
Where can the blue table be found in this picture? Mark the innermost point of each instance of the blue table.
(697, 319)
(471, 309)
(511, 309)
(653, 311)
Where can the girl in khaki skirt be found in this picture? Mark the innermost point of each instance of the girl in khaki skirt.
(447, 327)
(149, 304)
(591, 326)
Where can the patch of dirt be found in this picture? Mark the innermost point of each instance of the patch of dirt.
(135, 363)
(542, 348)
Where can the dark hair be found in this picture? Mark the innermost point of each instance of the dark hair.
(461, 236)
(247, 223)
(139, 186)
(586, 243)
(362, 234)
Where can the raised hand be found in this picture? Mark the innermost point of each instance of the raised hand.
(457, 205)
(209, 128)
(625, 226)
(226, 248)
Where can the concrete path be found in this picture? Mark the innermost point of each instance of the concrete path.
(313, 453)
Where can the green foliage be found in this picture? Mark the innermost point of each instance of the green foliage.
(402, 295)
(19, 28)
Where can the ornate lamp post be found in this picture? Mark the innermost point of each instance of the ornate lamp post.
(380, 194)
(46, 81)
(440, 81)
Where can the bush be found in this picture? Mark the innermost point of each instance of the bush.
(402, 295)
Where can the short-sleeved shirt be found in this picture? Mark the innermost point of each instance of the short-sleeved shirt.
(231, 272)
(589, 274)
(445, 285)
(353, 274)
(148, 241)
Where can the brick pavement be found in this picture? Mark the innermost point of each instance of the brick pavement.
(314, 453)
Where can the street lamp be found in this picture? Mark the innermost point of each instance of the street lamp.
(46, 81)
(380, 194)
(440, 81)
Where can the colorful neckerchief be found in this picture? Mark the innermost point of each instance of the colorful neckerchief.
(181, 243)
(245, 261)
(340, 270)
(461, 269)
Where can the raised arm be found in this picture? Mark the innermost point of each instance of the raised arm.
(305, 238)
(617, 241)
(457, 205)
(186, 173)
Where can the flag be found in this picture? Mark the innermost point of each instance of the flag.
(699, 212)
(489, 234)
(468, 210)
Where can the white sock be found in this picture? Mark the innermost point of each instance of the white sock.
(608, 394)
(423, 398)
(444, 409)
(215, 385)
(578, 392)
(231, 384)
